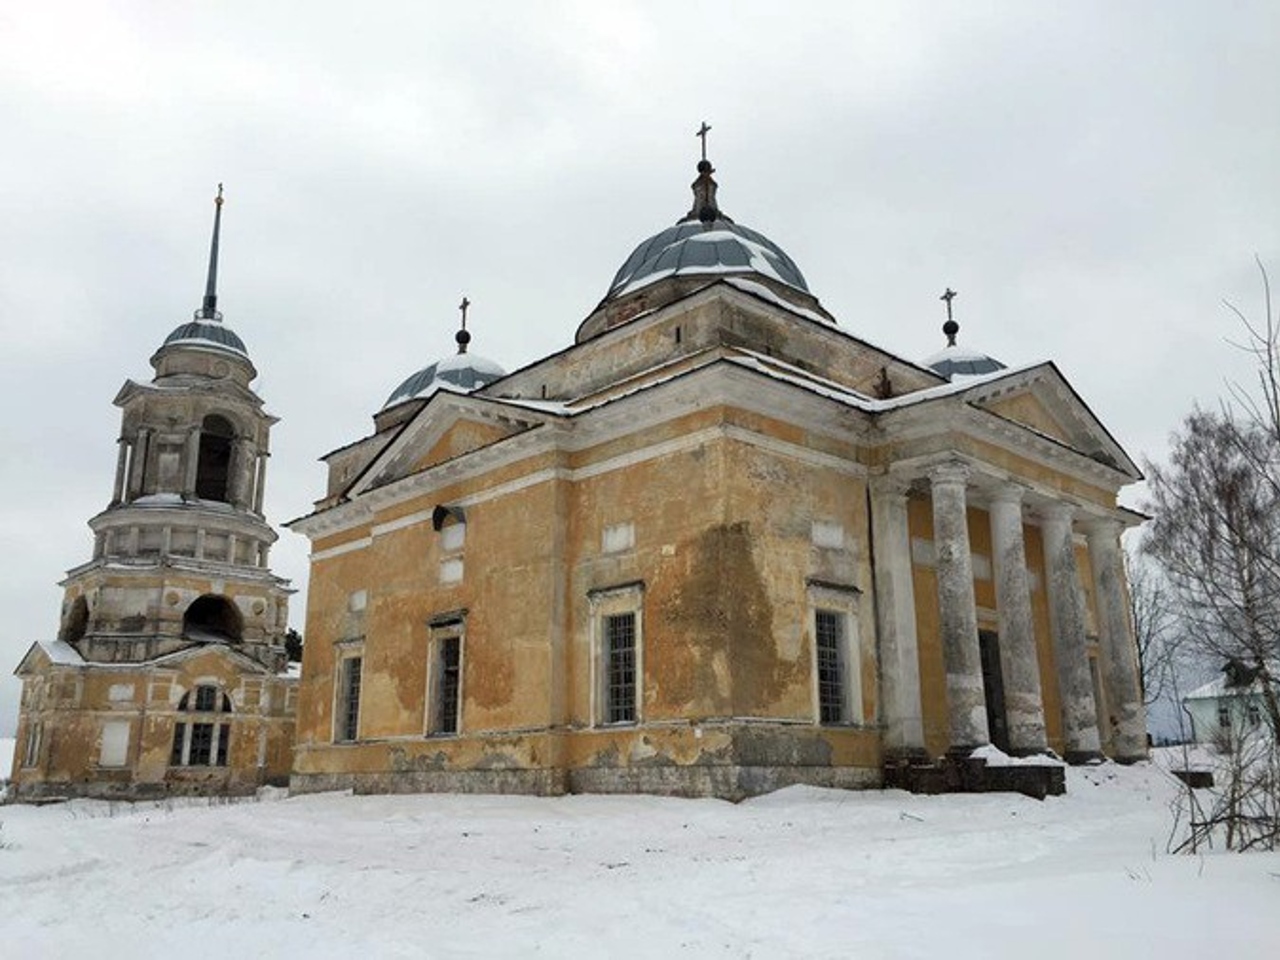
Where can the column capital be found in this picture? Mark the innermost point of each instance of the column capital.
(1103, 527)
(1008, 493)
(950, 471)
(889, 485)
(1059, 511)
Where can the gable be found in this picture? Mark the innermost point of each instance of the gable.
(447, 427)
(1040, 399)
(458, 438)
(1030, 411)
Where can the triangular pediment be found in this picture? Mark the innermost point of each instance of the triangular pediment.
(448, 427)
(1041, 400)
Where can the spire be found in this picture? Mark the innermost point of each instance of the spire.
(462, 336)
(704, 207)
(209, 311)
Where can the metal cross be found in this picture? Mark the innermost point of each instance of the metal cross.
(702, 134)
(463, 307)
(948, 297)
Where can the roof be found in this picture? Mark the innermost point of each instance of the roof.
(695, 247)
(465, 370)
(954, 361)
(207, 333)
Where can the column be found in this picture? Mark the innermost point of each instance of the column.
(957, 613)
(122, 460)
(899, 661)
(1019, 661)
(1066, 620)
(1118, 646)
(192, 464)
(138, 463)
(260, 486)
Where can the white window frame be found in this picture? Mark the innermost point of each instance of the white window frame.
(443, 628)
(33, 745)
(627, 598)
(347, 650)
(841, 601)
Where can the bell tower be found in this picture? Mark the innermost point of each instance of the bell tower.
(169, 674)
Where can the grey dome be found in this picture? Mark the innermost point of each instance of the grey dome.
(210, 334)
(954, 361)
(693, 247)
(465, 370)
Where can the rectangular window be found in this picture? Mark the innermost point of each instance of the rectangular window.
(449, 684)
(829, 640)
(224, 740)
(206, 698)
(1253, 713)
(31, 755)
(349, 699)
(620, 668)
(1224, 715)
(179, 740)
(201, 745)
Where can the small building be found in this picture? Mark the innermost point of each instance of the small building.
(169, 672)
(716, 545)
(1229, 705)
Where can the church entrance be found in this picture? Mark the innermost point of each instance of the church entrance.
(993, 689)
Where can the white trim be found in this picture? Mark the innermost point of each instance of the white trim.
(615, 601)
(342, 548)
(849, 653)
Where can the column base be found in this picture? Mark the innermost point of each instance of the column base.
(1080, 758)
(1128, 760)
(906, 757)
(1021, 752)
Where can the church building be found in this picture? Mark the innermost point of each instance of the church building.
(169, 673)
(715, 546)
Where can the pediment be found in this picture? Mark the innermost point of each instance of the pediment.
(1041, 400)
(449, 426)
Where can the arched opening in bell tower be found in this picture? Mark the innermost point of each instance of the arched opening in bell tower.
(77, 622)
(213, 468)
(212, 617)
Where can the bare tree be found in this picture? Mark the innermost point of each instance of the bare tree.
(1155, 626)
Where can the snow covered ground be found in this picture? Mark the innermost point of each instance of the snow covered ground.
(801, 873)
(6, 757)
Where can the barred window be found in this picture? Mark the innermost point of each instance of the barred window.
(203, 741)
(829, 641)
(449, 685)
(620, 668)
(349, 699)
(31, 755)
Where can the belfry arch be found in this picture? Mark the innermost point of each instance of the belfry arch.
(213, 615)
(213, 466)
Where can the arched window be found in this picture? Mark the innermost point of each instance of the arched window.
(213, 469)
(203, 737)
(212, 617)
(77, 620)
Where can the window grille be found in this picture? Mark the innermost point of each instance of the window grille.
(349, 708)
(620, 673)
(1224, 715)
(450, 685)
(830, 638)
(202, 742)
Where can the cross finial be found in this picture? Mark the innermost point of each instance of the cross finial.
(462, 337)
(209, 309)
(218, 199)
(702, 135)
(948, 297)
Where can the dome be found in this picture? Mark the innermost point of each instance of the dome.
(711, 247)
(956, 361)
(464, 370)
(207, 333)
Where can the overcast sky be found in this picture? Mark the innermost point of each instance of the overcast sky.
(1093, 178)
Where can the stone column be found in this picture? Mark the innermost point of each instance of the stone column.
(957, 613)
(192, 464)
(899, 660)
(1119, 653)
(1066, 619)
(122, 459)
(1019, 661)
(260, 486)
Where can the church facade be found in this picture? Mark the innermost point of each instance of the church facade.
(716, 546)
(169, 673)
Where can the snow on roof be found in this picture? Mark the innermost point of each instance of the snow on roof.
(1217, 687)
(764, 293)
(61, 652)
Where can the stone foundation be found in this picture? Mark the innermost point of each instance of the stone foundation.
(970, 775)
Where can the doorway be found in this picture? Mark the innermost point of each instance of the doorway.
(993, 689)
